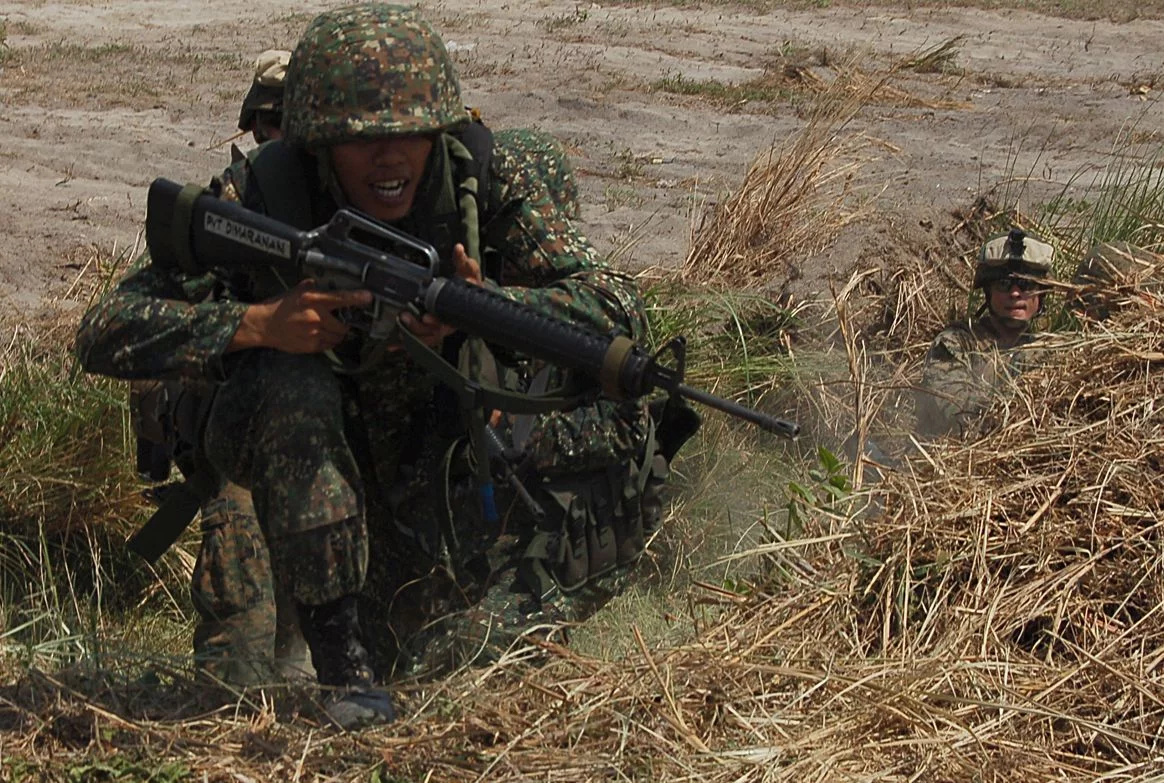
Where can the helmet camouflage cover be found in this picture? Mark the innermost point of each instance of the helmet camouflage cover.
(1014, 253)
(368, 71)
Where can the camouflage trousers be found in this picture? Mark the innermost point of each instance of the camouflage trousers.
(306, 445)
(454, 589)
(248, 630)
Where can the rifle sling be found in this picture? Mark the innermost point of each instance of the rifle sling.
(476, 399)
(178, 509)
(483, 396)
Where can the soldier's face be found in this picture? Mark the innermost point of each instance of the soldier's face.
(1014, 298)
(380, 176)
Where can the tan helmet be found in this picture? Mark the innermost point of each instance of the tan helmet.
(369, 71)
(266, 92)
(1013, 253)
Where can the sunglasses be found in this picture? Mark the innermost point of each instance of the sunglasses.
(1024, 284)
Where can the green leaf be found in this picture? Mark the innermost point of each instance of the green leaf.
(828, 460)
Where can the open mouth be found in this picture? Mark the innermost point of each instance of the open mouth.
(389, 189)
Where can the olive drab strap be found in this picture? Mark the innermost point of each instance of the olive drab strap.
(466, 181)
(488, 397)
(182, 500)
(476, 398)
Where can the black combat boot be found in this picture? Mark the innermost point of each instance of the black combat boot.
(342, 662)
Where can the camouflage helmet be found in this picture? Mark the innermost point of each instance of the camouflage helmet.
(266, 92)
(1013, 253)
(368, 71)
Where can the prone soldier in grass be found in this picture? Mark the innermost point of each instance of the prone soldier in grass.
(968, 363)
(332, 431)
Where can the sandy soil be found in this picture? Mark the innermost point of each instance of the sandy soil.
(98, 98)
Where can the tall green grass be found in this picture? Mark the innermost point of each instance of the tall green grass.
(69, 496)
(734, 339)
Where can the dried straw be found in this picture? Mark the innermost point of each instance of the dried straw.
(999, 619)
(793, 202)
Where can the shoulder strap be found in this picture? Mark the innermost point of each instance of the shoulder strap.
(182, 500)
(471, 150)
(474, 399)
(477, 140)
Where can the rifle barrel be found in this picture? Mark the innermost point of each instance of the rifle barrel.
(783, 427)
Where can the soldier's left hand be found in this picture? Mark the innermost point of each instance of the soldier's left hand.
(429, 328)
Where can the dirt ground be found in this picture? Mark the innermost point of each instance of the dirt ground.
(99, 98)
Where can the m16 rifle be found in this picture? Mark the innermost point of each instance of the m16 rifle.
(190, 228)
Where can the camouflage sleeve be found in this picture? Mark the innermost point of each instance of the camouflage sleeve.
(547, 263)
(158, 323)
(954, 391)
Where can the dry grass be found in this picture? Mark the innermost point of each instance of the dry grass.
(999, 619)
(793, 202)
(875, 89)
(1115, 10)
(989, 611)
(940, 58)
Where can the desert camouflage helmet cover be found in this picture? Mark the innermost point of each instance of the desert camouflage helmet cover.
(367, 71)
(266, 92)
(1013, 253)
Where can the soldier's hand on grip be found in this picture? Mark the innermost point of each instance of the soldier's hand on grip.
(301, 320)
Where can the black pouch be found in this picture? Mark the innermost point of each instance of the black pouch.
(596, 522)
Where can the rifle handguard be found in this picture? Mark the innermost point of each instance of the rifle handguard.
(487, 314)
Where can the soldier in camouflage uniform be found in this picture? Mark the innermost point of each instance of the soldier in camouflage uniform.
(968, 363)
(374, 120)
(262, 108)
